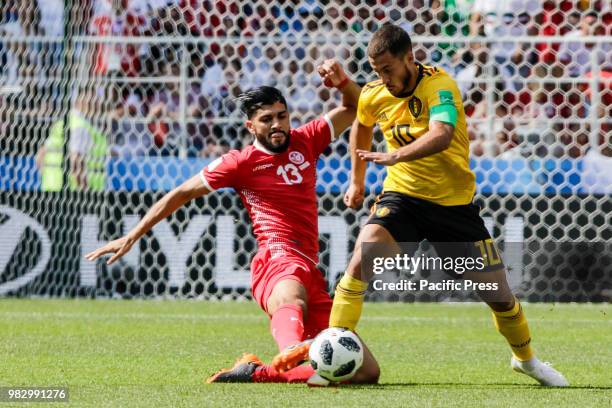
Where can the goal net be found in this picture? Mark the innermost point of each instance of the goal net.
(141, 94)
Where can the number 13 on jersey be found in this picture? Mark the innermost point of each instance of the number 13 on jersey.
(291, 173)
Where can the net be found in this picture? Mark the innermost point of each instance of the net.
(142, 94)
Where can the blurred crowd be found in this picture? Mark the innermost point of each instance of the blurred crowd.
(167, 86)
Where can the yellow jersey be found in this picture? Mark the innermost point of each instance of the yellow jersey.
(444, 178)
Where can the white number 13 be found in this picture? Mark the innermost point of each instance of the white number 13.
(290, 174)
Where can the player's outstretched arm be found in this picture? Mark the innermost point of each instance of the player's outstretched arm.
(169, 203)
(360, 139)
(333, 76)
(437, 139)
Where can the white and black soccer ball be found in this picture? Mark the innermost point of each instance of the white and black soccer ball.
(336, 354)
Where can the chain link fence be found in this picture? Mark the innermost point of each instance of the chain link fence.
(154, 84)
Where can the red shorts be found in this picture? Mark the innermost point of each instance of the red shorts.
(266, 272)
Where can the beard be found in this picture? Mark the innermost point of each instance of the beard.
(274, 148)
(405, 84)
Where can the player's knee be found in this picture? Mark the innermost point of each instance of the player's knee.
(301, 303)
(294, 300)
(354, 268)
(367, 375)
(372, 375)
(374, 241)
(287, 292)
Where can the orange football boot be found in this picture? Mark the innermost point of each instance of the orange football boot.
(242, 371)
(292, 356)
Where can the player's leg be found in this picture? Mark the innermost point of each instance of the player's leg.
(507, 312)
(278, 286)
(348, 300)
(350, 291)
(387, 224)
(369, 371)
(279, 290)
(241, 372)
(318, 319)
(511, 322)
(319, 307)
(287, 307)
(460, 232)
(249, 368)
(390, 222)
(464, 226)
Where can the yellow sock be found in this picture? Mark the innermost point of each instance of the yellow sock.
(512, 324)
(348, 302)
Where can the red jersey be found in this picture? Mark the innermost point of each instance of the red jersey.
(278, 189)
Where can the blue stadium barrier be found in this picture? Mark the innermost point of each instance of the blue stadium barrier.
(518, 176)
(19, 173)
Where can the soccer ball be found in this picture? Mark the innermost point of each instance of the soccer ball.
(336, 354)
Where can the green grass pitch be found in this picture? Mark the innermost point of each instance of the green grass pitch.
(156, 353)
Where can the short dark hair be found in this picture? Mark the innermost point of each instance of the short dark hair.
(252, 100)
(389, 38)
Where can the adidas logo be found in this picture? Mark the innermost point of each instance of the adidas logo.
(382, 117)
(262, 166)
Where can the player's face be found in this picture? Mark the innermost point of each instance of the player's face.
(395, 72)
(270, 125)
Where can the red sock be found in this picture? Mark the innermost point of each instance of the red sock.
(287, 325)
(268, 374)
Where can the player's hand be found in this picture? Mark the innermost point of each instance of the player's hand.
(118, 247)
(386, 159)
(353, 198)
(331, 73)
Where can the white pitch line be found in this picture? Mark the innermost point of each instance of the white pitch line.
(251, 317)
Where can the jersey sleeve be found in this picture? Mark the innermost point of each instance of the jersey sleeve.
(318, 133)
(222, 172)
(443, 100)
(365, 114)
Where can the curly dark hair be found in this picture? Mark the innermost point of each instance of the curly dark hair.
(252, 100)
(389, 38)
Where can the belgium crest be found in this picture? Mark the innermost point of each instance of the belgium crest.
(415, 105)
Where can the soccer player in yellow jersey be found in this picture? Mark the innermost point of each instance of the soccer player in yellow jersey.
(428, 190)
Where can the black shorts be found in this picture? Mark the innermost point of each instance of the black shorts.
(455, 231)
(411, 219)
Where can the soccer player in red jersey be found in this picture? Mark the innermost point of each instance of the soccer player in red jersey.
(275, 178)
